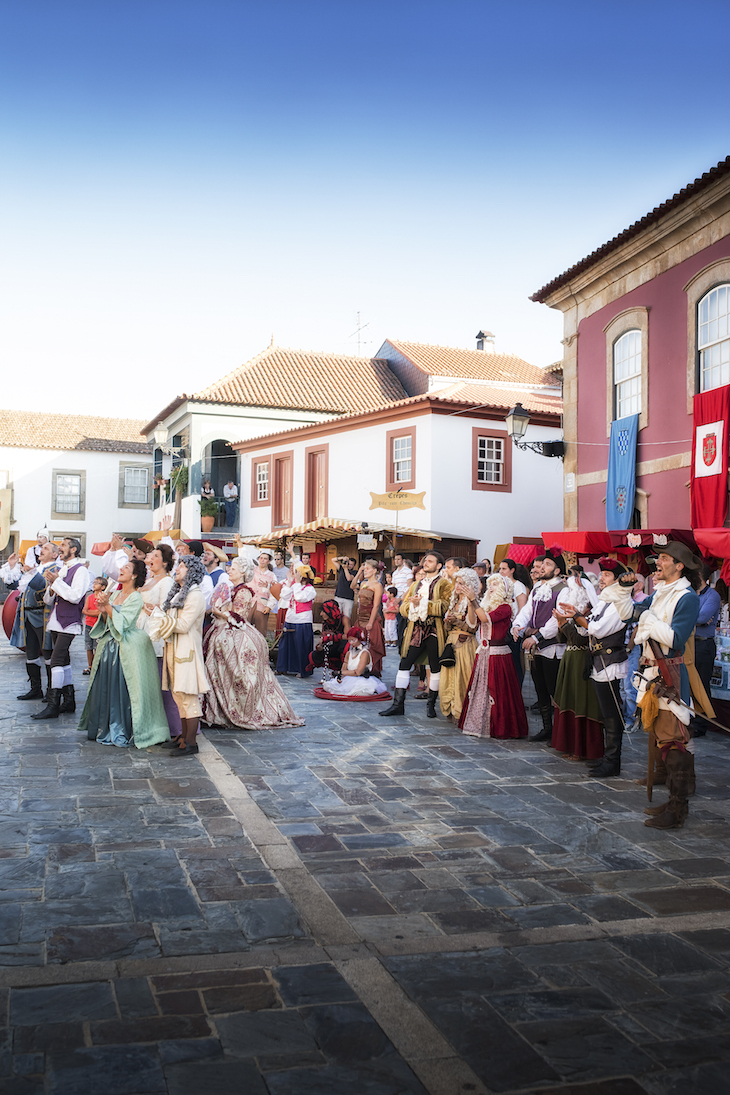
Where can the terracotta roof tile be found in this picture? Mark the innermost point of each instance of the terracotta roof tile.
(462, 394)
(300, 380)
(29, 430)
(689, 191)
(470, 364)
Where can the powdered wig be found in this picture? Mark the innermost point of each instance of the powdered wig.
(500, 591)
(194, 577)
(470, 579)
(244, 567)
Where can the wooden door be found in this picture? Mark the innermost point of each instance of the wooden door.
(282, 508)
(316, 497)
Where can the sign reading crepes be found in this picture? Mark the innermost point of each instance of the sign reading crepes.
(397, 499)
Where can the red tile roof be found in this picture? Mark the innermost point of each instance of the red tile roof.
(31, 430)
(468, 395)
(300, 380)
(690, 191)
(471, 364)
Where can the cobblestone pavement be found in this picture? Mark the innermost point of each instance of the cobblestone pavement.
(384, 906)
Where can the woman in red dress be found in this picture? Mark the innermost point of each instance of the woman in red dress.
(494, 706)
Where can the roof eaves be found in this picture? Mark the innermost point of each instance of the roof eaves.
(165, 413)
(699, 184)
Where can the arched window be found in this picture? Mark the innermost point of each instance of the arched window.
(713, 338)
(627, 374)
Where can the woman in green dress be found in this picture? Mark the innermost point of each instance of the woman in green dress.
(124, 704)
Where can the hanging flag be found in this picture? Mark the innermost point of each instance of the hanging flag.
(709, 458)
(621, 486)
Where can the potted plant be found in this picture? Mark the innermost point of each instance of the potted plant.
(179, 478)
(208, 513)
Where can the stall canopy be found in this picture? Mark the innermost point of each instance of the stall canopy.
(715, 543)
(620, 542)
(332, 528)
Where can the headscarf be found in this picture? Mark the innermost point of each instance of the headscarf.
(194, 577)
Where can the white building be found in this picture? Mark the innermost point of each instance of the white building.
(448, 440)
(77, 475)
(277, 390)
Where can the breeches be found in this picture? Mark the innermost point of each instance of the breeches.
(188, 705)
(33, 642)
(61, 655)
(545, 678)
(431, 647)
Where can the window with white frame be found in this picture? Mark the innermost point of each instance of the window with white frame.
(68, 494)
(713, 338)
(262, 481)
(490, 460)
(627, 374)
(136, 486)
(402, 450)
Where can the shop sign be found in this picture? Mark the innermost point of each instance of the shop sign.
(397, 499)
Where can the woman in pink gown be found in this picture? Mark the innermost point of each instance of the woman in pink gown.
(244, 694)
(494, 706)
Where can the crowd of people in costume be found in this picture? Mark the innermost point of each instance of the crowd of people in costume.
(176, 635)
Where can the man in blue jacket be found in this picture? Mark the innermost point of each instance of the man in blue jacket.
(666, 622)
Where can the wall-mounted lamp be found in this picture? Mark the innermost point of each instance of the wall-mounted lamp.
(517, 420)
(160, 436)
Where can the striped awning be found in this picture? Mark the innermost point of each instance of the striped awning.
(334, 528)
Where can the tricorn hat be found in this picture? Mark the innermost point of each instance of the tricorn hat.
(681, 554)
(616, 568)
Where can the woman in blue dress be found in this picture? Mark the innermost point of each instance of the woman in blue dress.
(124, 704)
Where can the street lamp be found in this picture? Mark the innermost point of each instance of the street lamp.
(160, 435)
(517, 420)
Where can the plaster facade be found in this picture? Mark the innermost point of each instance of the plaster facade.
(31, 474)
(653, 281)
(357, 465)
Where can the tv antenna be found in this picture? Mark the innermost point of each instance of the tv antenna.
(358, 331)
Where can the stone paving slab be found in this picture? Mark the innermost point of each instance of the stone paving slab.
(460, 915)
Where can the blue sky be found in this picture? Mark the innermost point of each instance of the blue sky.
(182, 180)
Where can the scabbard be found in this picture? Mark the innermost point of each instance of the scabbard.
(651, 765)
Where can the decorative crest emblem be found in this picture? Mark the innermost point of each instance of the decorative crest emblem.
(709, 449)
(621, 495)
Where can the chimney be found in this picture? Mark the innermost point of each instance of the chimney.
(485, 342)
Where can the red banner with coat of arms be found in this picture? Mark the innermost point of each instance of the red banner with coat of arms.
(710, 458)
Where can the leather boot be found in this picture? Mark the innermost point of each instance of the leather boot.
(678, 781)
(51, 710)
(652, 811)
(34, 675)
(613, 729)
(49, 684)
(397, 707)
(431, 705)
(660, 773)
(546, 734)
(68, 700)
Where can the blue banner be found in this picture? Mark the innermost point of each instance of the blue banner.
(621, 486)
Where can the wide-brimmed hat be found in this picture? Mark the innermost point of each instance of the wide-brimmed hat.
(218, 552)
(145, 546)
(681, 554)
(613, 565)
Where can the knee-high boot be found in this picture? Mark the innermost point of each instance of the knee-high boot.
(34, 675)
(431, 705)
(679, 770)
(546, 734)
(613, 729)
(397, 707)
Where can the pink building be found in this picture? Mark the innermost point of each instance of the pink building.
(647, 326)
